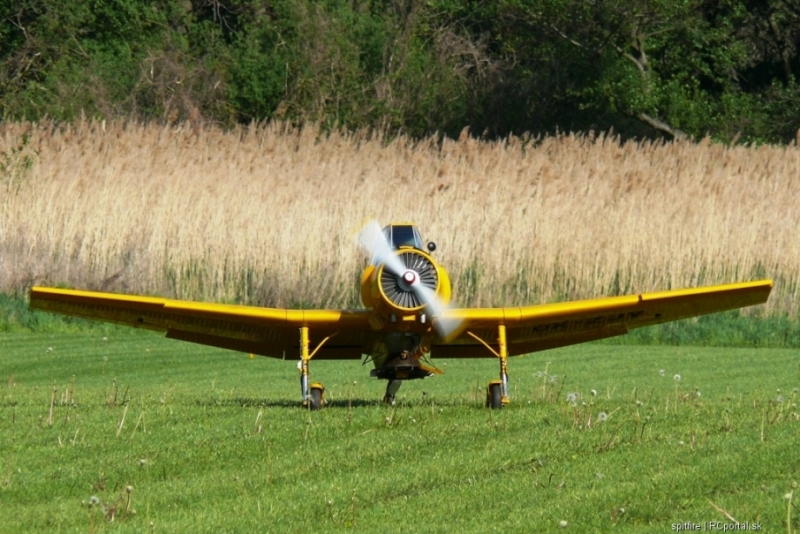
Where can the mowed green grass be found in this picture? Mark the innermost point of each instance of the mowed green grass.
(173, 437)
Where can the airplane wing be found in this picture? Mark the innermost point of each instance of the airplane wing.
(547, 326)
(264, 331)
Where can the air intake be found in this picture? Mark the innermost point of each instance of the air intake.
(401, 288)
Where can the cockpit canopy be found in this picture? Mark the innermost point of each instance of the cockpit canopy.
(402, 235)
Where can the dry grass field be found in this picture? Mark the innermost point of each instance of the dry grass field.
(268, 215)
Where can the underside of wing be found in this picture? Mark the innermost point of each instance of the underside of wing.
(264, 331)
(547, 326)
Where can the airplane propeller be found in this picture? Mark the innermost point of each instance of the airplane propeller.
(372, 239)
(374, 242)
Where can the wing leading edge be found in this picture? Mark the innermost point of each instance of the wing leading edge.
(548, 326)
(264, 331)
(273, 331)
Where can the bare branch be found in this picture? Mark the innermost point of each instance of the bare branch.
(630, 57)
(573, 41)
(662, 126)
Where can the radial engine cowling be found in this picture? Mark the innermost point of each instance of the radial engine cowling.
(400, 293)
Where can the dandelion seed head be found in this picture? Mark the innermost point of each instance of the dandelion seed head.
(105, 338)
(594, 393)
(94, 500)
(788, 496)
(602, 417)
(677, 378)
(780, 398)
(639, 403)
(562, 524)
(572, 398)
(128, 489)
(143, 462)
(662, 372)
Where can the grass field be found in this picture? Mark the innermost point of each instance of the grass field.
(99, 424)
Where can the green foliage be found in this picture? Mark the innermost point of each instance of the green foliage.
(723, 68)
(15, 316)
(727, 329)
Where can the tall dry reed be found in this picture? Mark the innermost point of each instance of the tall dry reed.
(268, 215)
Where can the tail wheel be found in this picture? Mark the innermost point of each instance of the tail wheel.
(316, 399)
(494, 396)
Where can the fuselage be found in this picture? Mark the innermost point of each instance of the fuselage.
(404, 287)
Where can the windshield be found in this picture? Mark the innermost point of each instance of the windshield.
(402, 236)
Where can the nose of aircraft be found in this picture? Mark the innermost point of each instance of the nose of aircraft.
(409, 277)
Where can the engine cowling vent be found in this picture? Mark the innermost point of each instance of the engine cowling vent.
(398, 287)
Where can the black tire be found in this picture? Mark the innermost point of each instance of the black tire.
(495, 397)
(316, 399)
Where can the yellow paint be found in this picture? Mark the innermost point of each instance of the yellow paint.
(222, 319)
(320, 345)
(366, 287)
(304, 343)
(485, 344)
(501, 339)
(542, 312)
(756, 285)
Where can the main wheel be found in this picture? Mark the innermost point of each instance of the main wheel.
(316, 399)
(494, 397)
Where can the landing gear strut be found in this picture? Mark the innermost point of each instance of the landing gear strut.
(391, 391)
(313, 394)
(497, 391)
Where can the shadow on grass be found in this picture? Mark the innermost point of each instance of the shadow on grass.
(255, 402)
(337, 404)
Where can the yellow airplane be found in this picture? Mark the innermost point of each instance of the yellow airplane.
(406, 296)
